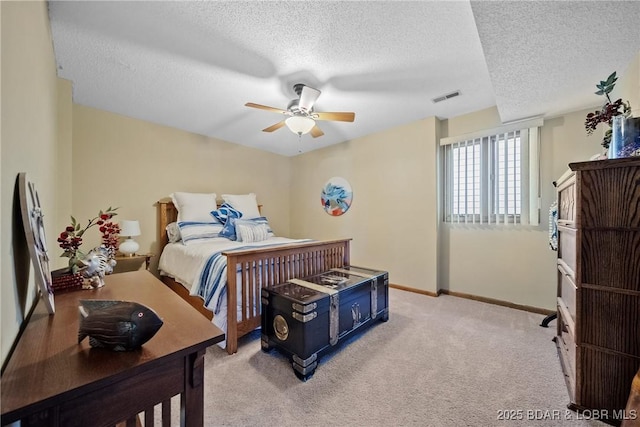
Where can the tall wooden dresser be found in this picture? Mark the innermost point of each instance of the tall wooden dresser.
(598, 335)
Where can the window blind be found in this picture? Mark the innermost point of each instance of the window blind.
(492, 179)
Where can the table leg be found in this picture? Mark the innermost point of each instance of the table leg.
(192, 400)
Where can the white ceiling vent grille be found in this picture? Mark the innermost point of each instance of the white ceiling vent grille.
(447, 96)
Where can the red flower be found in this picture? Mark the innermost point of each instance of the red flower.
(71, 238)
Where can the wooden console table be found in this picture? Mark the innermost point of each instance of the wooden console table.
(51, 380)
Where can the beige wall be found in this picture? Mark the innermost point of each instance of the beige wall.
(33, 101)
(518, 267)
(129, 163)
(64, 177)
(398, 167)
(509, 263)
(628, 85)
(515, 265)
(392, 220)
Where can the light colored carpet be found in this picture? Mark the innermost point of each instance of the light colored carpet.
(443, 361)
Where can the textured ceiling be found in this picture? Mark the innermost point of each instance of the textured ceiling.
(193, 65)
(545, 57)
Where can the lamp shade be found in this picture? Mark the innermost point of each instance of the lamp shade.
(300, 125)
(129, 228)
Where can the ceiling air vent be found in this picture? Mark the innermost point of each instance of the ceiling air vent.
(447, 96)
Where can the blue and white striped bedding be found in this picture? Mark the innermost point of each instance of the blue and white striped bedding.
(202, 269)
(212, 281)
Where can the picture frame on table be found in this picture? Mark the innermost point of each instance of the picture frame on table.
(33, 224)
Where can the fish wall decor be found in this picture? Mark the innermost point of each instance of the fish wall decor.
(117, 325)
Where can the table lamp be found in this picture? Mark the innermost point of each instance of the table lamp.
(129, 229)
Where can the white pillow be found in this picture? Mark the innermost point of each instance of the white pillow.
(249, 231)
(195, 206)
(245, 203)
(173, 232)
(193, 232)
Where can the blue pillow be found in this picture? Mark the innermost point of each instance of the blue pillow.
(229, 229)
(224, 212)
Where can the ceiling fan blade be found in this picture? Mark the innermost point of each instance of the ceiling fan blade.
(274, 127)
(265, 107)
(316, 131)
(308, 97)
(336, 117)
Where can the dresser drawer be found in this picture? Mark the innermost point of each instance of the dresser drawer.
(567, 201)
(567, 339)
(567, 290)
(567, 247)
(567, 349)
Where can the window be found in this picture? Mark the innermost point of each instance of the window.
(491, 178)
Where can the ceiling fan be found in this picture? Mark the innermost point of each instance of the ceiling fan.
(302, 118)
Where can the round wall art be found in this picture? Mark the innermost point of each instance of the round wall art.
(336, 196)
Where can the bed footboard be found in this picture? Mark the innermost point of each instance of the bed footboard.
(265, 267)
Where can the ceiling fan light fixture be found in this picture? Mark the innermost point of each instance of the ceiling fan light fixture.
(300, 125)
(301, 117)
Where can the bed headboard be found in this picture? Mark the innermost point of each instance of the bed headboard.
(167, 213)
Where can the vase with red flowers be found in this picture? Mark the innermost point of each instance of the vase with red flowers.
(70, 239)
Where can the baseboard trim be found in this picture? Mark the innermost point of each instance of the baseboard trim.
(487, 300)
(414, 290)
(528, 308)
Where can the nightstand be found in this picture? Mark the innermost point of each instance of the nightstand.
(131, 260)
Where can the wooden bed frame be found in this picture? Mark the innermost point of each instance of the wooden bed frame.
(289, 261)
